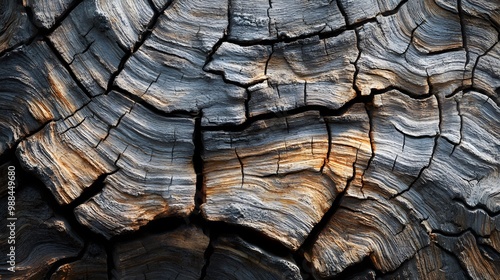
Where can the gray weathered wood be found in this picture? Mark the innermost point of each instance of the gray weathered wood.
(357, 139)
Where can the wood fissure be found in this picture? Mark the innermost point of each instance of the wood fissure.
(267, 139)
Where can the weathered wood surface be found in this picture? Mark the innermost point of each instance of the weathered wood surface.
(43, 237)
(178, 254)
(237, 139)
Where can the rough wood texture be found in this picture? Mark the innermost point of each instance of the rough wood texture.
(92, 265)
(15, 26)
(252, 139)
(143, 158)
(173, 255)
(42, 237)
(234, 258)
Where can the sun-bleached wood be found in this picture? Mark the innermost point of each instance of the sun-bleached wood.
(145, 160)
(356, 139)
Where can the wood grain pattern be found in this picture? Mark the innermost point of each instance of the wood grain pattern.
(176, 254)
(42, 237)
(234, 258)
(264, 139)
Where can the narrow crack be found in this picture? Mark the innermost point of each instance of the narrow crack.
(464, 37)
(114, 126)
(327, 157)
(479, 206)
(82, 52)
(268, 59)
(207, 256)
(241, 168)
(305, 93)
(477, 61)
(412, 184)
(200, 196)
(269, 18)
(412, 37)
(342, 11)
(76, 125)
(60, 262)
(323, 223)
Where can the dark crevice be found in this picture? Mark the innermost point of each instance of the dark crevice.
(198, 164)
(321, 225)
(324, 111)
(327, 157)
(268, 59)
(412, 136)
(207, 256)
(156, 226)
(461, 128)
(89, 192)
(153, 6)
(247, 102)
(464, 36)
(479, 206)
(402, 90)
(342, 11)
(227, 81)
(269, 17)
(242, 168)
(489, 253)
(248, 234)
